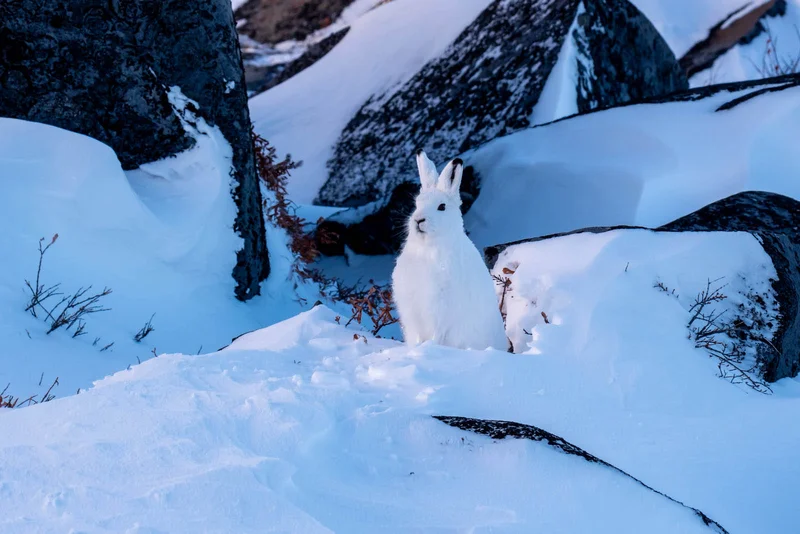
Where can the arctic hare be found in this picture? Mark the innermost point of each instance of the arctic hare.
(441, 286)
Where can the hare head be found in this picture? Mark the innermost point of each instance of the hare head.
(438, 207)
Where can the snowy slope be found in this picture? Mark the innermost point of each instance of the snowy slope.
(383, 48)
(639, 165)
(160, 238)
(302, 428)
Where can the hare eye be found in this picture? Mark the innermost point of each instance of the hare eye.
(441, 207)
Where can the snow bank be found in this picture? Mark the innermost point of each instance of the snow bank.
(383, 48)
(304, 428)
(638, 165)
(161, 238)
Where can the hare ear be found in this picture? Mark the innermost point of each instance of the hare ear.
(427, 170)
(450, 179)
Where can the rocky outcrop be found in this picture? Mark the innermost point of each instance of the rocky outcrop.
(103, 69)
(775, 221)
(488, 82)
(740, 27)
(262, 77)
(274, 21)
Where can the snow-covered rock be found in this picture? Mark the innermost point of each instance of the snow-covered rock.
(754, 42)
(765, 320)
(105, 70)
(520, 62)
(306, 115)
(775, 221)
(640, 165)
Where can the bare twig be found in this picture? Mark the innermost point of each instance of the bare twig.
(40, 293)
(145, 330)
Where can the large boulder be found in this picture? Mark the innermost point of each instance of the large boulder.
(103, 69)
(519, 57)
(775, 221)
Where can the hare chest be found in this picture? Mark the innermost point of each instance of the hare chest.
(446, 296)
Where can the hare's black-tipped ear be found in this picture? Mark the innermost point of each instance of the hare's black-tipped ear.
(450, 179)
(427, 170)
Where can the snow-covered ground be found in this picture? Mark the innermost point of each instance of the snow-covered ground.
(161, 238)
(312, 426)
(303, 428)
(384, 48)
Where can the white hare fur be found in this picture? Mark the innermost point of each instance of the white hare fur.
(441, 286)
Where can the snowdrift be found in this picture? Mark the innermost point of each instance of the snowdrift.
(160, 237)
(642, 165)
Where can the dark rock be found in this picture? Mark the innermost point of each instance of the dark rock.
(739, 27)
(613, 36)
(102, 69)
(262, 78)
(487, 83)
(775, 221)
(510, 429)
(274, 21)
(383, 229)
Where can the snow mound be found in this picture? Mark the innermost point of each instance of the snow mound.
(307, 427)
(642, 165)
(160, 237)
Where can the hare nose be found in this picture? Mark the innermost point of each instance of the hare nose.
(419, 224)
(420, 221)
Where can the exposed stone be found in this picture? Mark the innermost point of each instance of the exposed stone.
(274, 21)
(487, 83)
(740, 27)
(382, 229)
(103, 68)
(260, 78)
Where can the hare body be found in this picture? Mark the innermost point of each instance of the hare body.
(441, 286)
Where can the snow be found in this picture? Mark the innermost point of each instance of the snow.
(559, 97)
(299, 427)
(304, 117)
(160, 237)
(751, 61)
(640, 165)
